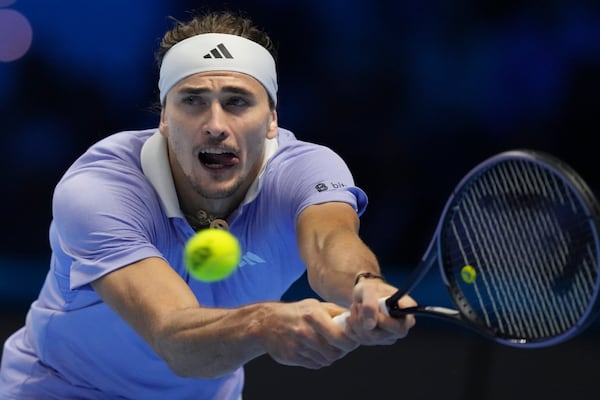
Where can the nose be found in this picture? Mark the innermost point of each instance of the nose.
(215, 121)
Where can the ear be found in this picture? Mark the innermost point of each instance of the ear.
(272, 132)
(163, 127)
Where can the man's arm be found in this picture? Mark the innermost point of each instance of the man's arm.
(330, 245)
(331, 248)
(207, 342)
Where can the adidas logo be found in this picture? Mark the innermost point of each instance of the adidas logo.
(219, 52)
(250, 258)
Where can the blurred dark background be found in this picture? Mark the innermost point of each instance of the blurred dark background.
(412, 94)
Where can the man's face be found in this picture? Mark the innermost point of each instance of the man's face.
(216, 124)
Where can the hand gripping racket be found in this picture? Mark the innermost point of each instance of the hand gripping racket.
(518, 249)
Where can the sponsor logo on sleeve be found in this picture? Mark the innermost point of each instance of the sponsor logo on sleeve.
(321, 186)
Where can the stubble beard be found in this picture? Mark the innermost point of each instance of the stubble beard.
(216, 194)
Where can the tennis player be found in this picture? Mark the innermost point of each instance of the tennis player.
(118, 316)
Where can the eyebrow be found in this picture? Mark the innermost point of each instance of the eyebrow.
(226, 89)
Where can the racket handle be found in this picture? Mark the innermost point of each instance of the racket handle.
(341, 318)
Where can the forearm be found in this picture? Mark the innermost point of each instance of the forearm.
(207, 343)
(333, 251)
(336, 264)
(194, 340)
(204, 342)
(335, 255)
(210, 342)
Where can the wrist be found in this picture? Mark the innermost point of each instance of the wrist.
(367, 275)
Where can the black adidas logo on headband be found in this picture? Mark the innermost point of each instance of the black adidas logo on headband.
(219, 52)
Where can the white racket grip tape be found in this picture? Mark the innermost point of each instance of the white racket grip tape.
(341, 318)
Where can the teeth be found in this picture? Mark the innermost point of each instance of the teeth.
(215, 151)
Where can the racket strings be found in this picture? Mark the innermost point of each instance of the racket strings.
(530, 241)
(509, 309)
(541, 226)
(494, 251)
(561, 251)
(545, 304)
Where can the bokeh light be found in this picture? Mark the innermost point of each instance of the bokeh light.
(15, 35)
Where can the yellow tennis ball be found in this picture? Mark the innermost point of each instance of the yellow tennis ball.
(212, 254)
(468, 274)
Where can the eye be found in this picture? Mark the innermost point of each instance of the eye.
(191, 100)
(237, 102)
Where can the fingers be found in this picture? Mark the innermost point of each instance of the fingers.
(307, 335)
(365, 305)
(367, 316)
(324, 326)
(369, 325)
(398, 326)
(310, 338)
(406, 302)
(321, 351)
(404, 323)
(334, 309)
(387, 331)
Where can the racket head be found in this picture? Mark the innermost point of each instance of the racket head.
(518, 248)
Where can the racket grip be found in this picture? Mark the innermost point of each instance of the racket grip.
(341, 318)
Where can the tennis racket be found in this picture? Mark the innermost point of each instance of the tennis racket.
(518, 250)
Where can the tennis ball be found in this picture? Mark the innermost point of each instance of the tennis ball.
(212, 255)
(468, 274)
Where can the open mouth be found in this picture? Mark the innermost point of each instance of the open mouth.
(218, 158)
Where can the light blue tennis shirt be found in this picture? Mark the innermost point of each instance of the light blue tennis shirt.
(117, 205)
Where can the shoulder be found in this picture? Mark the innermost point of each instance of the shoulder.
(114, 155)
(125, 145)
(108, 170)
(292, 149)
(301, 173)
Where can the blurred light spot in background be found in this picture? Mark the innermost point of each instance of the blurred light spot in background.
(15, 34)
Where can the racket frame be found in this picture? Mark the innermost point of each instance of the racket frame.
(464, 315)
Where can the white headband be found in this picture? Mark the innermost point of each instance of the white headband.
(217, 52)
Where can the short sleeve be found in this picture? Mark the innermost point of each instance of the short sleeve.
(102, 223)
